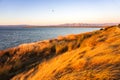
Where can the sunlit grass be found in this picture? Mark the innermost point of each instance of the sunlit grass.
(88, 56)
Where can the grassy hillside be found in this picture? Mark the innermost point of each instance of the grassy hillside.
(88, 56)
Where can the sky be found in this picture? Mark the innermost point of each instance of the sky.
(50, 12)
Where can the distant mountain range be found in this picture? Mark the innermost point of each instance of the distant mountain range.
(13, 25)
(88, 25)
(78, 25)
(81, 25)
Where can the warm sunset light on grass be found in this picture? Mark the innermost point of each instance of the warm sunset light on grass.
(51, 40)
(88, 56)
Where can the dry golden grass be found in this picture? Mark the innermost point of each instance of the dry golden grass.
(88, 56)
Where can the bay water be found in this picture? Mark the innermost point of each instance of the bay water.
(11, 37)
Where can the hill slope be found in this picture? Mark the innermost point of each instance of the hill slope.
(88, 56)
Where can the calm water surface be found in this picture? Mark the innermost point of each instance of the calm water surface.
(11, 37)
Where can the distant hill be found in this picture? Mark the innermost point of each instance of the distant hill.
(77, 25)
(88, 25)
(68, 25)
(87, 56)
(13, 25)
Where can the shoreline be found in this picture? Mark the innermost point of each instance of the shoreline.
(36, 38)
(26, 57)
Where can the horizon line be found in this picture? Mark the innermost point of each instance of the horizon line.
(53, 24)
